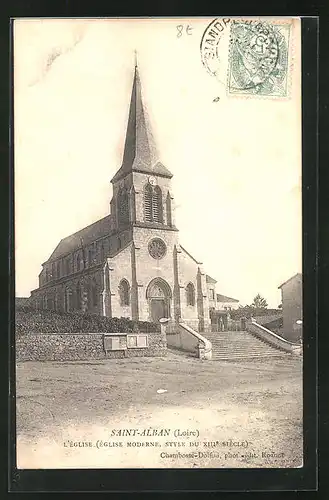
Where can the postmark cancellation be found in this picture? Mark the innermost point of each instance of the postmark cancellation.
(258, 58)
(250, 57)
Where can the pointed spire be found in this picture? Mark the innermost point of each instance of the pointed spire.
(140, 152)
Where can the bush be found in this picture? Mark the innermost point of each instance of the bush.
(46, 321)
(252, 312)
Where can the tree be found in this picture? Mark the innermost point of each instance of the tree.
(259, 302)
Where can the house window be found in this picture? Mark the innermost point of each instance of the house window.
(212, 294)
(124, 292)
(190, 295)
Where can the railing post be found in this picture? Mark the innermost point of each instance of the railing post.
(163, 325)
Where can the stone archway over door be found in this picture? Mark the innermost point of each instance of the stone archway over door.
(159, 297)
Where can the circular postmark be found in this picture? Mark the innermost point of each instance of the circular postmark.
(214, 48)
(248, 56)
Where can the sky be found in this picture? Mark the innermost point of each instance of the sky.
(236, 161)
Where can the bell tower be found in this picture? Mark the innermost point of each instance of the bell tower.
(142, 185)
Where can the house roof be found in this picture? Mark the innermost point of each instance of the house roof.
(297, 275)
(223, 298)
(209, 279)
(140, 153)
(83, 237)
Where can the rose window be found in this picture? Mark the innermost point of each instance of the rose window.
(157, 248)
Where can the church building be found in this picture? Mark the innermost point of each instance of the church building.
(130, 263)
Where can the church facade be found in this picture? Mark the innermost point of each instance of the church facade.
(130, 263)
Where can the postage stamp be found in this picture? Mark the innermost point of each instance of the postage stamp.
(258, 58)
(249, 56)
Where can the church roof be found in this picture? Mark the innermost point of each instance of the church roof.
(140, 153)
(223, 298)
(83, 237)
(209, 279)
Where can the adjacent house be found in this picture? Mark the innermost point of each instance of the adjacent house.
(292, 307)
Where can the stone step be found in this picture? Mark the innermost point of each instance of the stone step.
(245, 358)
(241, 345)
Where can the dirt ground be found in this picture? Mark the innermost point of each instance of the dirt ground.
(213, 414)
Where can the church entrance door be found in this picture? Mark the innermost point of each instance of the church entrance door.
(159, 309)
(158, 294)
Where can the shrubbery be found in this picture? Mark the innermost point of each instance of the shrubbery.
(252, 312)
(29, 320)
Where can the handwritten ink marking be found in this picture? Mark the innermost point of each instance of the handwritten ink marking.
(181, 28)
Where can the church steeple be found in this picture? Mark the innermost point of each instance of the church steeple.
(140, 153)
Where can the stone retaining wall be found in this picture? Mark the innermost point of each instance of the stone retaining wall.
(83, 346)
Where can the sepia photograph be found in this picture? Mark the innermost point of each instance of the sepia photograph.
(158, 243)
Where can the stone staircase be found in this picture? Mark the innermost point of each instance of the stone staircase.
(241, 345)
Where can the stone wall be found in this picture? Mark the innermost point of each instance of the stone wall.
(83, 346)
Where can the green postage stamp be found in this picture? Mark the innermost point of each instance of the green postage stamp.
(258, 58)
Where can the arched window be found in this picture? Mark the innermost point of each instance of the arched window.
(78, 296)
(50, 302)
(157, 205)
(90, 257)
(94, 294)
(58, 271)
(67, 299)
(123, 207)
(190, 295)
(67, 266)
(53, 271)
(102, 250)
(79, 261)
(148, 209)
(47, 274)
(124, 292)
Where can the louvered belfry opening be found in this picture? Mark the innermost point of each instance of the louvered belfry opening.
(148, 208)
(157, 205)
(123, 207)
(153, 206)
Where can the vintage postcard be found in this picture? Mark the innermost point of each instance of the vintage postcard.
(158, 243)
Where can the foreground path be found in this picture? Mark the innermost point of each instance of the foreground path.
(213, 414)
